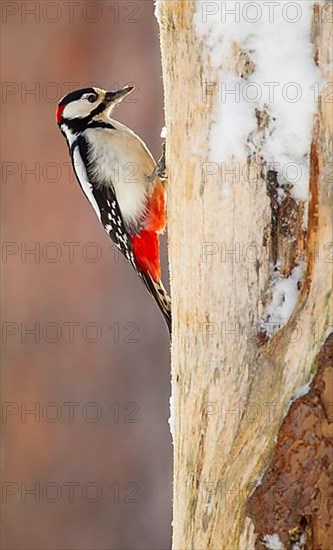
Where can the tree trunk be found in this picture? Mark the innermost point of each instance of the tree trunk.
(231, 239)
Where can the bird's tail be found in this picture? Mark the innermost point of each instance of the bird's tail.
(158, 292)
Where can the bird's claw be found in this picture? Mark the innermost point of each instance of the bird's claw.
(160, 169)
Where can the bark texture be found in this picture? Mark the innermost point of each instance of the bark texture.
(225, 384)
(295, 498)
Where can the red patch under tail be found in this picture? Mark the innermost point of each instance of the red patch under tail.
(146, 250)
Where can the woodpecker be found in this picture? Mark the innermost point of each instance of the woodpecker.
(121, 180)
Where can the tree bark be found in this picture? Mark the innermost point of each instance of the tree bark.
(222, 379)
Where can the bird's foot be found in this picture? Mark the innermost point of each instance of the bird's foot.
(160, 169)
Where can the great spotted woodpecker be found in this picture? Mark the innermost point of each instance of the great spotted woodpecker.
(120, 178)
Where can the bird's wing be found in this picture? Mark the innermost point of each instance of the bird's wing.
(103, 201)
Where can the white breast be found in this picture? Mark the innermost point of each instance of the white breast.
(120, 158)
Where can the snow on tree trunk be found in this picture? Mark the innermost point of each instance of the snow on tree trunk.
(248, 117)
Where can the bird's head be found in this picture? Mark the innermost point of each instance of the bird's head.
(82, 106)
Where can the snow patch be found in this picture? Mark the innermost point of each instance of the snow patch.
(272, 542)
(235, 120)
(164, 132)
(171, 419)
(303, 390)
(285, 83)
(261, 477)
(209, 508)
(284, 298)
(157, 10)
(300, 544)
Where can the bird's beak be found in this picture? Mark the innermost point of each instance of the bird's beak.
(119, 95)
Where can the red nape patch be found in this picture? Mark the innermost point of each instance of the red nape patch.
(59, 112)
(146, 249)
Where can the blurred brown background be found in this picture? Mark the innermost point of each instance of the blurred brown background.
(83, 344)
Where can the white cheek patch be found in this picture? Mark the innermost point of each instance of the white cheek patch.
(79, 108)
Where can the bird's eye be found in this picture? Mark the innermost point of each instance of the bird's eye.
(92, 98)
